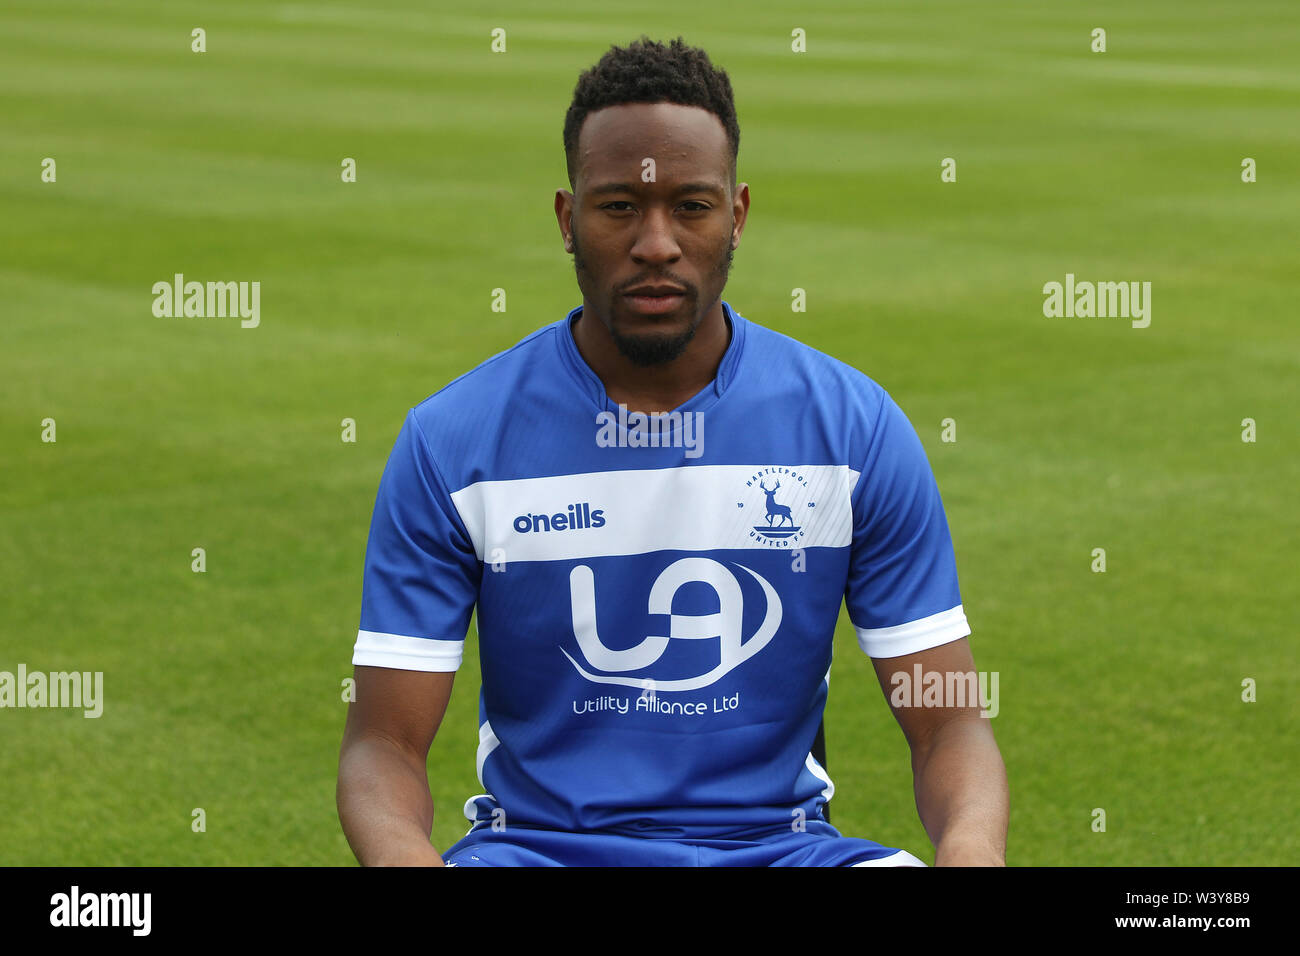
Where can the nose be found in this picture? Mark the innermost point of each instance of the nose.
(655, 241)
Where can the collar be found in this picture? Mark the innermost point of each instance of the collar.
(594, 388)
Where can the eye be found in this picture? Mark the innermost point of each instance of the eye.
(697, 204)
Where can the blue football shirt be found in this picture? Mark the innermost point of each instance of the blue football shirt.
(656, 595)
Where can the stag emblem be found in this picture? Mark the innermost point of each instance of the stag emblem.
(780, 512)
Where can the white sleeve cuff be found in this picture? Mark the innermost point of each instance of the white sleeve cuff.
(918, 635)
(374, 649)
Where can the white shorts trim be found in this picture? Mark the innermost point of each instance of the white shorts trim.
(901, 858)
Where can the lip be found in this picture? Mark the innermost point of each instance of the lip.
(656, 288)
(655, 304)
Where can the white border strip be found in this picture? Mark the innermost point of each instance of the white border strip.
(918, 635)
(690, 508)
(375, 649)
(471, 812)
(487, 742)
(818, 771)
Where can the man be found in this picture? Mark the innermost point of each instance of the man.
(657, 507)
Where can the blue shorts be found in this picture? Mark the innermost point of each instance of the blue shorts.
(819, 844)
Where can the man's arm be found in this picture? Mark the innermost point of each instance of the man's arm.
(959, 778)
(383, 789)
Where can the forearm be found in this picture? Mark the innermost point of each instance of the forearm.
(961, 793)
(384, 805)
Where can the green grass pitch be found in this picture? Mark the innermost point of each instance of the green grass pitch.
(1119, 690)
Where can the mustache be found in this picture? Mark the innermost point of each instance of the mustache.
(686, 287)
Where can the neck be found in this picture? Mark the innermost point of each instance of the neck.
(657, 388)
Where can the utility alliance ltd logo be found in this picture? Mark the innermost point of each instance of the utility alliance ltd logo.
(724, 626)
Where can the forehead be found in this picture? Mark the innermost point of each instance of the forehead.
(684, 141)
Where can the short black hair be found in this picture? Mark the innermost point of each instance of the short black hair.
(648, 72)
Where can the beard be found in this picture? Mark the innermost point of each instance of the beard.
(647, 349)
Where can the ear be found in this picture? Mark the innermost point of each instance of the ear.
(563, 206)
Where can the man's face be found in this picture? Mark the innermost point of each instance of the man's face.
(680, 230)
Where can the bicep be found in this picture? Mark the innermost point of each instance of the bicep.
(405, 707)
(948, 670)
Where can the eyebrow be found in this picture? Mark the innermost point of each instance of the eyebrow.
(711, 188)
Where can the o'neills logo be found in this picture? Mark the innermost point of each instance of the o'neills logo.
(575, 518)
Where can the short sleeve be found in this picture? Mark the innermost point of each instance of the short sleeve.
(421, 573)
(902, 594)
